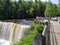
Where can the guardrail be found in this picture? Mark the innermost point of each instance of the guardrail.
(46, 34)
(42, 39)
(43, 33)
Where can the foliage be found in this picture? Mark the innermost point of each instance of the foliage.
(28, 40)
(27, 9)
(58, 10)
(38, 27)
(51, 10)
(21, 9)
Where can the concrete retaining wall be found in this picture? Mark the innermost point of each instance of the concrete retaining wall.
(42, 39)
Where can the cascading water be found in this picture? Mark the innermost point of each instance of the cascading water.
(11, 32)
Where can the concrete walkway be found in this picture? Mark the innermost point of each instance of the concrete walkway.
(54, 33)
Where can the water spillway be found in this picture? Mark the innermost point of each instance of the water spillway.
(11, 32)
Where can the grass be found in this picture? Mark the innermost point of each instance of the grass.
(34, 30)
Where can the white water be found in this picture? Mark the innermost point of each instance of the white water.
(4, 42)
(11, 32)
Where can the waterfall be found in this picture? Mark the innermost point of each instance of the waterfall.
(12, 32)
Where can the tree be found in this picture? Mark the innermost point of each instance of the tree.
(35, 9)
(7, 9)
(50, 10)
(1, 9)
(30, 9)
(41, 8)
(26, 9)
(58, 10)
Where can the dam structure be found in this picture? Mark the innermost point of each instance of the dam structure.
(11, 32)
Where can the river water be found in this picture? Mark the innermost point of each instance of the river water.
(11, 32)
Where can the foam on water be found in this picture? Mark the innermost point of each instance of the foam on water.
(4, 42)
(12, 32)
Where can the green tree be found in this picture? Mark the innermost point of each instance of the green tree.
(50, 10)
(58, 10)
(26, 9)
(1, 9)
(39, 8)
(7, 9)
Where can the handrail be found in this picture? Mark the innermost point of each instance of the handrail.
(44, 30)
(40, 39)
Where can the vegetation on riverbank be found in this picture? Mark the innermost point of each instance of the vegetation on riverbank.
(27, 9)
(33, 31)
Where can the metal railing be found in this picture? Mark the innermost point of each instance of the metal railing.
(41, 39)
(44, 38)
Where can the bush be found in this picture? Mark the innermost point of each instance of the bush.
(38, 27)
